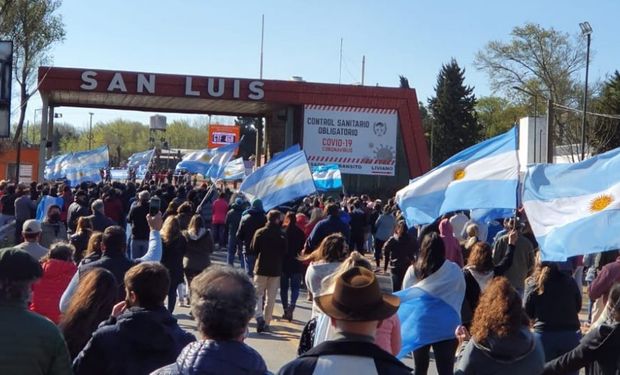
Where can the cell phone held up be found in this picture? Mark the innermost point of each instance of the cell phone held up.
(154, 206)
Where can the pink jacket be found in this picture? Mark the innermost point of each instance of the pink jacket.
(388, 335)
(453, 248)
(220, 208)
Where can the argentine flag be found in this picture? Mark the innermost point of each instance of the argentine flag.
(280, 181)
(234, 170)
(327, 177)
(84, 166)
(574, 209)
(208, 162)
(44, 205)
(485, 175)
(430, 310)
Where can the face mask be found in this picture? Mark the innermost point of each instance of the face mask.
(55, 217)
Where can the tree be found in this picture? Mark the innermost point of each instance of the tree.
(404, 82)
(455, 126)
(497, 115)
(607, 128)
(542, 60)
(33, 27)
(182, 134)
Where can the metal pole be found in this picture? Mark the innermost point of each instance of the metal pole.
(535, 117)
(340, 66)
(262, 41)
(550, 131)
(363, 68)
(90, 131)
(585, 103)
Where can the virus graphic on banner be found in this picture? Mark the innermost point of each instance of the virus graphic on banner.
(384, 152)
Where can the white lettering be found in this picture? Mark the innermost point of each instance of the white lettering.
(220, 87)
(146, 84)
(90, 83)
(188, 88)
(256, 90)
(236, 88)
(117, 83)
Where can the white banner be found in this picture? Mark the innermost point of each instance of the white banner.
(359, 140)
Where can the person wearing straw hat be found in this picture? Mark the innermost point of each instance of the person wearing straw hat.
(356, 308)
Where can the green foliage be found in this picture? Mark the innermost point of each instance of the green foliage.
(497, 115)
(546, 61)
(455, 126)
(606, 133)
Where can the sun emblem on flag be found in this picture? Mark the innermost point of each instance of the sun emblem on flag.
(279, 182)
(206, 158)
(601, 202)
(459, 174)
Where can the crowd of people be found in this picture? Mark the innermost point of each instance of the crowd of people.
(94, 274)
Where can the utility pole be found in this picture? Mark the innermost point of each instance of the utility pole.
(340, 66)
(262, 42)
(363, 68)
(586, 30)
(550, 131)
(90, 131)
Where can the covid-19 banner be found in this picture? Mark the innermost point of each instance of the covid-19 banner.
(359, 140)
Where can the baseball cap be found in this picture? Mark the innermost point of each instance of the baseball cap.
(18, 265)
(31, 226)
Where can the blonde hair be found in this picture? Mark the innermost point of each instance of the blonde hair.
(315, 215)
(541, 274)
(355, 259)
(472, 230)
(171, 229)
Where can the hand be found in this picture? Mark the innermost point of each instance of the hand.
(118, 309)
(462, 334)
(155, 222)
(512, 237)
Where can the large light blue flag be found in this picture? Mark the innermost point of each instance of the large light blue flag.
(327, 177)
(209, 162)
(140, 162)
(430, 310)
(280, 181)
(574, 209)
(85, 166)
(485, 176)
(234, 170)
(44, 205)
(77, 167)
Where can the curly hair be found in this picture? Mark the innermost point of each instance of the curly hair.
(481, 258)
(499, 312)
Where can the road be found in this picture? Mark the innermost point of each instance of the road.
(280, 345)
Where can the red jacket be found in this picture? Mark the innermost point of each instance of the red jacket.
(47, 291)
(220, 208)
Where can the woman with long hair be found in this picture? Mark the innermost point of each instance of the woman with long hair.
(440, 280)
(58, 270)
(323, 262)
(500, 341)
(553, 302)
(316, 215)
(199, 248)
(79, 239)
(480, 270)
(400, 252)
(291, 267)
(93, 249)
(91, 304)
(173, 250)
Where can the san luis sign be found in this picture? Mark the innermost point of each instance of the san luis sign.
(173, 85)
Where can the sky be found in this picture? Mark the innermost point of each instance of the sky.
(302, 38)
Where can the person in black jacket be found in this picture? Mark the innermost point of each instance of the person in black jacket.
(223, 302)
(359, 224)
(399, 251)
(141, 335)
(233, 219)
(77, 209)
(479, 271)
(252, 220)
(599, 350)
(98, 219)
(174, 248)
(553, 302)
(291, 269)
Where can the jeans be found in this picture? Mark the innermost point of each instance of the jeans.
(138, 248)
(294, 280)
(249, 264)
(218, 234)
(233, 250)
(556, 343)
(266, 286)
(444, 352)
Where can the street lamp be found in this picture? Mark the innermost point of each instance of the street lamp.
(586, 30)
(90, 130)
(535, 113)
